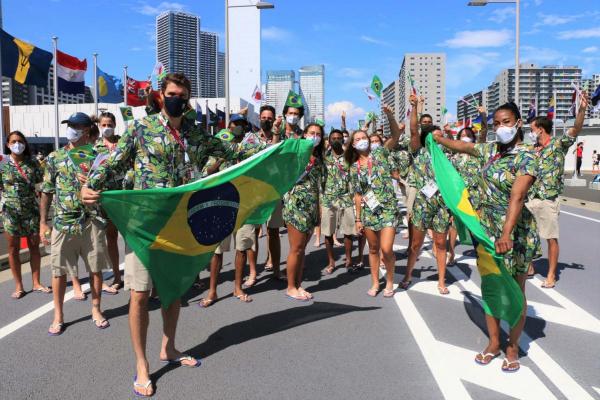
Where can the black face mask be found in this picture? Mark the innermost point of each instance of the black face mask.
(175, 105)
(266, 125)
(337, 145)
(238, 131)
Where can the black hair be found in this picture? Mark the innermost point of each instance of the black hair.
(334, 131)
(299, 108)
(26, 152)
(425, 116)
(426, 130)
(545, 123)
(514, 110)
(267, 107)
(350, 154)
(107, 114)
(317, 151)
(469, 131)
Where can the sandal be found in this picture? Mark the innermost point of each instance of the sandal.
(249, 282)
(306, 294)
(506, 365)
(103, 323)
(109, 290)
(244, 298)
(205, 303)
(42, 289)
(388, 293)
(404, 284)
(443, 290)
(481, 358)
(268, 267)
(547, 285)
(142, 386)
(19, 294)
(56, 329)
(82, 297)
(450, 260)
(330, 269)
(372, 292)
(185, 357)
(299, 297)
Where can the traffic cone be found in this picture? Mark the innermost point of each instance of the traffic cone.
(24, 243)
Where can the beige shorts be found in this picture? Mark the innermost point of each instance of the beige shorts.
(224, 246)
(276, 219)
(411, 195)
(546, 214)
(244, 239)
(67, 248)
(137, 277)
(333, 217)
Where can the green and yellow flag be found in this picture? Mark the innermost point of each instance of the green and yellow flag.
(175, 231)
(376, 85)
(83, 157)
(294, 100)
(502, 297)
(126, 113)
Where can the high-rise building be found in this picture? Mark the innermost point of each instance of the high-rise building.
(220, 74)
(428, 70)
(178, 45)
(312, 86)
(467, 107)
(391, 97)
(279, 83)
(209, 59)
(535, 82)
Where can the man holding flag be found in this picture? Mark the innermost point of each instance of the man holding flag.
(544, 203)
(181, 144)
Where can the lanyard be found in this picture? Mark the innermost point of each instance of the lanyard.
(369, 165)
(21, 172)
(335, 161)
(309, 167)
(173, 132)
(110, 146)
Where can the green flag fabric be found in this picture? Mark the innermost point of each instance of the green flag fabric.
(502, 297)
(376, 85)
(175, 231)
(294, 100)
(370, 116)
(83, 157)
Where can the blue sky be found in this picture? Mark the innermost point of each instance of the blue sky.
(353, 39)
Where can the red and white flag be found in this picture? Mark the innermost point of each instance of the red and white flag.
(257, 95)
(136, 92)
(70, 72)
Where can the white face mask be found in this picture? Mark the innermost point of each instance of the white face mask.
(107, 132)
(73, 135)
(375, 146)
(17, 148)
(505, 134)
(316, 140)
(362, 145)
(466, 139)
(291, 119)
(533, 136)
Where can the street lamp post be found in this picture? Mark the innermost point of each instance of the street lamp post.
(518, 11)
(261, 5)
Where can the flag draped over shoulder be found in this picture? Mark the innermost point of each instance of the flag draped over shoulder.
(502, 297)
(175, 231)
(22, 61)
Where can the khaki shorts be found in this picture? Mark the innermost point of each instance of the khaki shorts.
(333, 217)
(137, 277)
(244, 239)
(546, 214)
(67, 248)
(411, 195)
(224, 246)
(276, 219)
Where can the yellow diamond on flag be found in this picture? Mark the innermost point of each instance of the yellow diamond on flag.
(102, 86)
(464, 204)
(486, 263)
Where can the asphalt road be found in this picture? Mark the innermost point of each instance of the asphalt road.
(343, 345)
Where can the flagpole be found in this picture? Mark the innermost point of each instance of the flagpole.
(207, 116)
(57, 122)
(125, 85)
(554, 117)
(96, 91)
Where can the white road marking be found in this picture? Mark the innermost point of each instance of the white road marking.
(38, 312)
(579, 216)
(596, 389)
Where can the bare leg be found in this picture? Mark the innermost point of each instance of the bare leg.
(216, 263)
(295, 257)
(14, 260)
(138, 329)
(96, 291)
(274, 250)
(553, 251)
(418, 236)
(59, 285)
(112, 236)
(240, 262)
(317, 233)
(35, 258)
(362, 240)
(439, 239)
(348, 250)
(77, 286)
(512, 349)
(386, 242)
(329, 250)
(373, 239)
(253, 257)
(452, 235)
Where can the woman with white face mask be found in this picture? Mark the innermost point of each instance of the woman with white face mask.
(509, 168)
(106, 144)
(301, 212)
(20, 211)
(375, 200)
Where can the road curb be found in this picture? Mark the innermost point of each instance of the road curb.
(23, 254)
(583, 204)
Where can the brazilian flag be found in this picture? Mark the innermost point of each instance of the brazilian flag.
(23, 62)
(126, 113)
(83, 157)
(502, 297)
(376, 85)
(294, 100)
(175, 231)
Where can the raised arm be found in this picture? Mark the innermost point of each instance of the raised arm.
(394, 128)
(343, 120)
(484, 125)
(456, 145)
(415, 142)
(583, 104)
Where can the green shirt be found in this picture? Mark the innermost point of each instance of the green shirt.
(337, 183)
(18, 187)
(551, 167)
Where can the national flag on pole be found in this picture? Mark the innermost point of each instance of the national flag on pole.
(532, 113)
(159, 71)
(257, 95)
(376, 86)
(70, 73)
(108, 88)
(596, 98)
(199, 117)
(175, 231)
(212, 117)
(573, 108)
(411, 81)
(477, 123)
(23, 62)
(369, 93)
(551, 106)
(136, 92)
(370, 116)
(220, 118)
(502, 297)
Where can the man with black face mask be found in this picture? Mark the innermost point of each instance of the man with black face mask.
(163, 148)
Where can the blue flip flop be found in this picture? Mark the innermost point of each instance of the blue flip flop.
(177, 361)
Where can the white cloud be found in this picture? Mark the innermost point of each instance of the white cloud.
(542, 55)
(146, 9)
(349, 72)
(483, 38)
(554, 20)
(135, 49)
(370, 39)
(538, 2)
(275, 34)
(463, 68)
(580, 34)
(499, 15)
(334, 110)
(591, 49)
